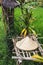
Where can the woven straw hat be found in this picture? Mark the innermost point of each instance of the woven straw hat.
(27, 44)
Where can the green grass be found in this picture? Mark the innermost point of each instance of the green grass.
(2, 42)
(38, 26)
(38, 23)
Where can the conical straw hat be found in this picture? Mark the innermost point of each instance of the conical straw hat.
(27, 44)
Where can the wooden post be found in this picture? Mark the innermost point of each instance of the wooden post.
(8, 19)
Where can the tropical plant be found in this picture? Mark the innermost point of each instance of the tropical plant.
(27, 15)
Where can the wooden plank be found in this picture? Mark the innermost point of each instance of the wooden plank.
(27, 53)
(34, 52)
(23, 53)
(40, 48)
(23, 58)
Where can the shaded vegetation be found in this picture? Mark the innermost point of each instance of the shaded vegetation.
(19, 25)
